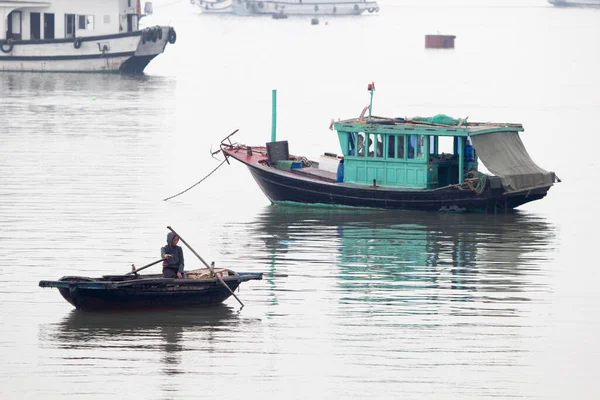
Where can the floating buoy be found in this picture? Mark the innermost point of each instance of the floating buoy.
(439, 41)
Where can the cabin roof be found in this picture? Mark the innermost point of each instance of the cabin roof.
(402, 126)
(16, 3)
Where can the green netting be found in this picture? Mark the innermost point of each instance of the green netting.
(439, 119)
(288, 164)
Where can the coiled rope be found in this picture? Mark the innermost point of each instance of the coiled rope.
(197, 183)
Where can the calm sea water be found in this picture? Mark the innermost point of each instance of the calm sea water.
(376, 304)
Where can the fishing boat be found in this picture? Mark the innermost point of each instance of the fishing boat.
(288, 7)
(575, 3)
(134, 291)
(78, 36)
(420, 163)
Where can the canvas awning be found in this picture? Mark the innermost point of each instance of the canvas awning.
(504, 155)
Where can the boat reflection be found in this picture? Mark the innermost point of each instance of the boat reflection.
(89, 333)
(422, 260)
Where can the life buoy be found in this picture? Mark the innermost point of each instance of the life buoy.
(10, 46)
(356, 7)
(260, 5)
(316, 8)
(77, 42)
(172, 36)
(192, 2)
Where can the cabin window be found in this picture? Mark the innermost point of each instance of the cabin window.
(360, 146)
(379, 145)
(395, 147)
(13, 29)
(400, 151)
(375, 145)
(370, 145)
(391, 149)
(35, 25)
(433, 144)
(69, 25)
(85, 22)
(48, 26)
(352, 143)
(415, 146)
(445, 145)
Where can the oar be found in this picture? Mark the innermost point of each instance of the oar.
(135, 271)
(207, 266)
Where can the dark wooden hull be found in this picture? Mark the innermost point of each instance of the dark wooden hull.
(106, 294)
(283, 186)
(119, 299)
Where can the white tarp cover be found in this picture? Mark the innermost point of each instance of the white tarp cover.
(504, 155)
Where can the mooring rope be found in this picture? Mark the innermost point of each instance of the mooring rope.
(197, 183)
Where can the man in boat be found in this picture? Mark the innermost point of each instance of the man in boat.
(173, 257)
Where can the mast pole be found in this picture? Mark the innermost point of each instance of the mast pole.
(274, 115)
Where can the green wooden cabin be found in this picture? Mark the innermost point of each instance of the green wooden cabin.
(407, 154)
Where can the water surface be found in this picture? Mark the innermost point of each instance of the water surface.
(375, 304)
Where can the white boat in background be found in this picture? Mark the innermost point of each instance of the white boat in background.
(575, 3)
(287, 7)
(78, 36)
(214, 6)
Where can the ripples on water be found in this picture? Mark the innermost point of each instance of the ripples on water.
(374, 302)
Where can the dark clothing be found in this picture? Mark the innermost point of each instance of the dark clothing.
(173, 264)
(169, 273)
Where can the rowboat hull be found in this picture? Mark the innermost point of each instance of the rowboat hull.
(151, 292)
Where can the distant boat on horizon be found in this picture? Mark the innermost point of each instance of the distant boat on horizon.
(287, 7)
(575, 3)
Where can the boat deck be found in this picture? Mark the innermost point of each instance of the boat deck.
(312, 172)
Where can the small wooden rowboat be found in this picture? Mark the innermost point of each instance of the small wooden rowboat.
(199, 287)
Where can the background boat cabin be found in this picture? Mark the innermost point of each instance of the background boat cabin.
(57, 19)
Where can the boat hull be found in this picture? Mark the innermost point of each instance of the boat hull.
(289, 7)
(575, 3)
(136, 294)
(214, 6)
(283, 187)
(120, 299)
(313, 8)
(127, 53)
